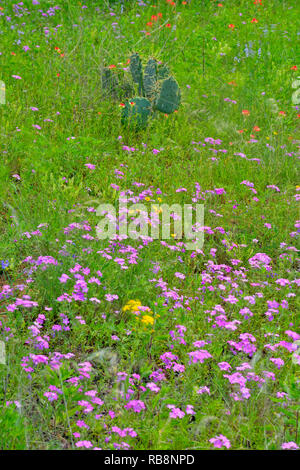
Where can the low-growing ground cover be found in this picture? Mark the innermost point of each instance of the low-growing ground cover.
(143, 343)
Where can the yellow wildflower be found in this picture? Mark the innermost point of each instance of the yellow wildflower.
(147, 320)
(132, 306)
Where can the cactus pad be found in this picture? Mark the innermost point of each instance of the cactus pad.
(109, 81)
(136, 112)
(137, 71)
(163, 72)
(150, 78)
(168, 98)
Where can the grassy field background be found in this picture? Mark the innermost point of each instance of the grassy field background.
(143, 344)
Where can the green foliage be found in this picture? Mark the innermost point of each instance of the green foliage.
(56, 193)
(12, 429)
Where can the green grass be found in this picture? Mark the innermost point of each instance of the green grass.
(254, 65)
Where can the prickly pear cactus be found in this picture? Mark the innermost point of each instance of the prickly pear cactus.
(136, 112)
(158, 91)
(163, 72)
(109, 81)
(126, 89)
(168, 97)
(150, 78)
(137, 71)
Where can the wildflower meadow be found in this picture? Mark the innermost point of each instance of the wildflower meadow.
(149, 225)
